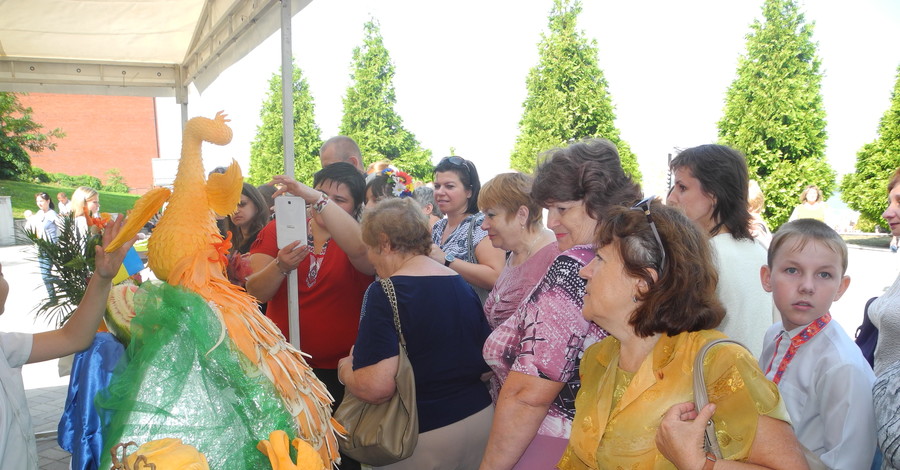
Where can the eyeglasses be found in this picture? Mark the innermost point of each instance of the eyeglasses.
(644, 206)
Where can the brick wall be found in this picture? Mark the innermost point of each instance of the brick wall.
(102, 132)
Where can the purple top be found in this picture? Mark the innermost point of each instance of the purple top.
(547, 336)
(515, 283)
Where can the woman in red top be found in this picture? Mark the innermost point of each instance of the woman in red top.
(333, 271)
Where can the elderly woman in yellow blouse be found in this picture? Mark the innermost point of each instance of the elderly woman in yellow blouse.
(652, 285)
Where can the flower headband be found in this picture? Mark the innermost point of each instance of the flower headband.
(400, 182)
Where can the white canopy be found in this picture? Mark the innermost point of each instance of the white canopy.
(128, 47)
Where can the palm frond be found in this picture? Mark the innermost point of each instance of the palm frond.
(71, 265)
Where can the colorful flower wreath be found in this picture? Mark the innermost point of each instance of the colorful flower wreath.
(400, 182)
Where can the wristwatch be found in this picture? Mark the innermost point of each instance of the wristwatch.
(448, 258)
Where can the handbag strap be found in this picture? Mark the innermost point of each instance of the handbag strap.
(388, 287)
(470, 237)
(701, 398)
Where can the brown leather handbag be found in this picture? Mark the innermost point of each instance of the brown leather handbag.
(386, 433)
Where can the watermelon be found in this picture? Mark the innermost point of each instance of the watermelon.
(120, 311)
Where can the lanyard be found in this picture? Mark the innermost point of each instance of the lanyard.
(811, 330)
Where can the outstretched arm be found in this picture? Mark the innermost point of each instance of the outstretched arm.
(342, 227)
(77, 334)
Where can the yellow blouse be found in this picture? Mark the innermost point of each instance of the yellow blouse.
(623, 435)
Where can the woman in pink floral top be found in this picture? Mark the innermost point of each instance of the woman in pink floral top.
(535, 352)
(513, 223)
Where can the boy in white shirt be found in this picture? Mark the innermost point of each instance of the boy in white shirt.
(17, 445)
(823, 378)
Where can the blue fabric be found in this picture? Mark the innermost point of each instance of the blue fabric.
(80, 429)
(445, 329)
(132, 262)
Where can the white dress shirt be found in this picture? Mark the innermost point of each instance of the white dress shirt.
(827, 389)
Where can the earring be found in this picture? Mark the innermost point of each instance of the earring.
(634, 299)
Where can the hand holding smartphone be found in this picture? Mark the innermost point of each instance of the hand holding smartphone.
(290, 220)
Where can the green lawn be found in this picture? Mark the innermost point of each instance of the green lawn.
(872, 241)
(23, 197)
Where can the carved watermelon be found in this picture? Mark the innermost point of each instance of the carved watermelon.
(120, 311)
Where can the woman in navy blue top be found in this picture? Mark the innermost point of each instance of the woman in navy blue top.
(443, 338)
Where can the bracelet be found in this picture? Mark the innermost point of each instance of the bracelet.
(710, 461)
(320, 204)
(278, 267)
(339, 375)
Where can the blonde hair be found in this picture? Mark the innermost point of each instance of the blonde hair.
(509, 191)
(801, 232)
(756, 200)
(80, 198)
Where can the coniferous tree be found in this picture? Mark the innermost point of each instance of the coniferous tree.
(567, 95)
(267, 148)
(19, 134)
(866, 189)
(774, 113)
(369, 116)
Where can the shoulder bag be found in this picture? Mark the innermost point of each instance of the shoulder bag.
(710, 442)
(867, 335)
(470, 247)
(386, 433)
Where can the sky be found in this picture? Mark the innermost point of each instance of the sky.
(460, 69)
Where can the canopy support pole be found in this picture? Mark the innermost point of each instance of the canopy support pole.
(287, 113)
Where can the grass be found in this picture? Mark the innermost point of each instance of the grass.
(23, 197)
(875, 240)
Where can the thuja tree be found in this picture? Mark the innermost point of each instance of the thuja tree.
(866, 189)
(369, 116)
(19, 133)
(774, 113)
(567, 95)
(267, 148)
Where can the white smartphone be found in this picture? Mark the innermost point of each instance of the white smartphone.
(290, 220)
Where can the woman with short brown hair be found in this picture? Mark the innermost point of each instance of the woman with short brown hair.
(652, 285)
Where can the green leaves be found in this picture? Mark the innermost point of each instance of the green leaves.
(567, 95)
(71, 265)
(774, 112)
(267, 148)
(19, 134)
(866, 190)
(369, 115)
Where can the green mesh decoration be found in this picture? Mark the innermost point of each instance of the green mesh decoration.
(169, 386)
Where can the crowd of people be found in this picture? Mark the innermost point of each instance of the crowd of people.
(570, 341)
(579, 333)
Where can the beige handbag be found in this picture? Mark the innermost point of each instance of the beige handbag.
(386, 433)
(710, 443)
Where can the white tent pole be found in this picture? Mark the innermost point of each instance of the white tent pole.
(287, 108)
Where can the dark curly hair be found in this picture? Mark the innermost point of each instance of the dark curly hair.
(589, 170)
(683, 297)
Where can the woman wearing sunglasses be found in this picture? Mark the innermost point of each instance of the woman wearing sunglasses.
(459, 241)
(710, 187)
(652, 285)
(535, 353)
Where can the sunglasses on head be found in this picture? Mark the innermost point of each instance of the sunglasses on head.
(454, 160)
(644, 206)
